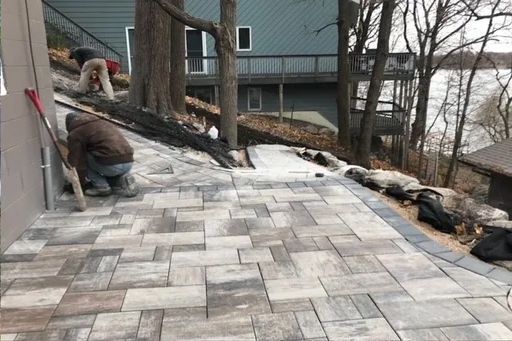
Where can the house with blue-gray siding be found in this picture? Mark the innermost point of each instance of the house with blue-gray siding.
(284, 64)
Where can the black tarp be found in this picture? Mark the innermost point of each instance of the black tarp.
(432, 212)
(496, 246)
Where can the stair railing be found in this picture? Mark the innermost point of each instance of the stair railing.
(77, 33)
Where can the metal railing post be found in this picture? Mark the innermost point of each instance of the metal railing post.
(249, 67)
(282, 68)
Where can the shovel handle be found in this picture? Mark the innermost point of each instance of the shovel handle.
(36, 100)
(71, 173)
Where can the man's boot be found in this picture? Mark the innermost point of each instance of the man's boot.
(126, 186)
(98, 191)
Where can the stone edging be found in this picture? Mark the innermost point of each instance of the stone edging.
(422, 241)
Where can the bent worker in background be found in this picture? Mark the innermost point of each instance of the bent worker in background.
(101, 155)
(90, 60)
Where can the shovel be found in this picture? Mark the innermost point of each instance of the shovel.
(71, 173)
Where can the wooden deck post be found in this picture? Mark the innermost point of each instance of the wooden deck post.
(409, 94)
(281, 102)
(402, 97)
(394, 94)
(216, 94)
(283, 61)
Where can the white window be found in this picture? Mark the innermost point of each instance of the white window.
(130, 39)
(254, 99)
(243, 38)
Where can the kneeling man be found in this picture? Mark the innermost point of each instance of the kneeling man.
(101, 155)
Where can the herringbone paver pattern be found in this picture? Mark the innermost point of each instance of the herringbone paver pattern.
(204, 253)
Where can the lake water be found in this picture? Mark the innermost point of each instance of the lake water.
(484, 86)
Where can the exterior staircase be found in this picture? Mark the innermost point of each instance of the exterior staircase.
(77, 33)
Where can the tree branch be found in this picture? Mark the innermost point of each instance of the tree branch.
(404, 13)
(318, 31)
(185, 18)
(488, 16)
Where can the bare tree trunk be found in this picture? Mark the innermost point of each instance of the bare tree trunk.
(226, 50)
(452, 168)
(420, 122)
(150, 80)
(365, 138)
(178, 84)
(343, 95)
(225, 45)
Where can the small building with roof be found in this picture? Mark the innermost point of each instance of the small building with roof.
(495, 161)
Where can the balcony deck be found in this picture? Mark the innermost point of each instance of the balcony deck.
(202, 71)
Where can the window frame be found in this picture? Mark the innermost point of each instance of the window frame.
(238, 38)
(205, 51)
(249, 99)
(204, 46)
(127, 30)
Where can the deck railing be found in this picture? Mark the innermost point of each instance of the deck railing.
(299, 65)
(76, 32)
(389, 116)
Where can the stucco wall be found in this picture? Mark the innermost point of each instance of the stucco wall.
(22, 199)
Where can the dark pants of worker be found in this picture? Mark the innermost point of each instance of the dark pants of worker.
(103, 176)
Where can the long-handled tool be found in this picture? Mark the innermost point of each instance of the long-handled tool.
(71, 175)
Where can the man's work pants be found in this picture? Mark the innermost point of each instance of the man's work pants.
(100, 66)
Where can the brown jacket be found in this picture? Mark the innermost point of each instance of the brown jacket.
(88, 134)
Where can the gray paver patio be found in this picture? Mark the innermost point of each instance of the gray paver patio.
(207, 253)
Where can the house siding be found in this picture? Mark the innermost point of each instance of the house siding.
(278, 27)
(21, 176)
(302, 97)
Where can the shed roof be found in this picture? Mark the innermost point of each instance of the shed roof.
(496, 158)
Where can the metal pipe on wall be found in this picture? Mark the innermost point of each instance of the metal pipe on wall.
(45, 149)
(48, 182)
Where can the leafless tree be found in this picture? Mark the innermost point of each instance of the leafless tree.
(224, 33)
(445, 109)
(495, 115)
(504, 11)
(364, 145)
(365, 29)
(150, 85)
(452, 168)
(365, 32)
(434, 23)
